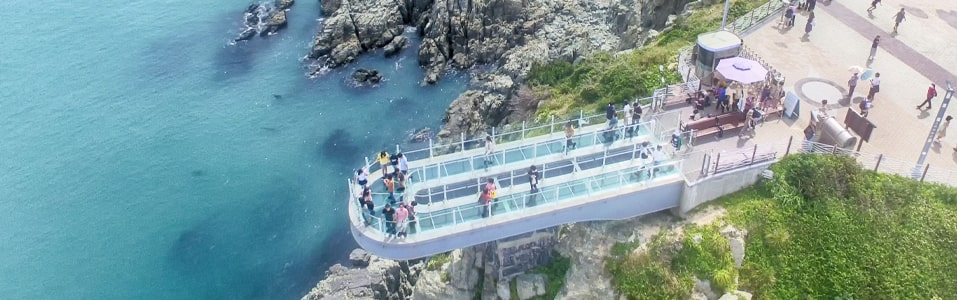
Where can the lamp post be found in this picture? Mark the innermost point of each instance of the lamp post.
(916, 173)
(724, 17)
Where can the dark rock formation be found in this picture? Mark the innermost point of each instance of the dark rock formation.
(371, 278)
(365, 76)
(263, 18)
(398, 43)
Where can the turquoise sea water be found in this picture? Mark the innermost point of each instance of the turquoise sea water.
(142, 158)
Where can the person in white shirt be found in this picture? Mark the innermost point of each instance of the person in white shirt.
(875, 86)
(489, 149)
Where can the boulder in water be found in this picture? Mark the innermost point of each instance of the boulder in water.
(366, 76)
(398, 43)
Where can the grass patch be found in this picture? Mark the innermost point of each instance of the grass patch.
(603, 78)
(554, 274)
(822, 228)
(436, 261)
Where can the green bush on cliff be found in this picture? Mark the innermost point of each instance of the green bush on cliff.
(822, 228)
(604, 78)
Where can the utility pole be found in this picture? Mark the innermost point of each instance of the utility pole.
(724, 17)
(917, 172)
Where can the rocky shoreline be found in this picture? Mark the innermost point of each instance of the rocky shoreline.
(509, 36)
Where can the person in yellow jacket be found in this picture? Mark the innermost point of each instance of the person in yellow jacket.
(384, 162)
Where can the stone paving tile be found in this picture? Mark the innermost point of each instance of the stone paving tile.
(818, 66)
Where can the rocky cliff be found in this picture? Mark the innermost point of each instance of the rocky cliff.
(370, 277)
(509, 35)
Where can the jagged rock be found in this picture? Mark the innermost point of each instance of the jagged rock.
(284, 4)
(495, 83)
(329, 6)
(359, 258)
(397, 44)
(461, 273)
(473, 111)
(343, 53)
(247, 33)
(698, 296)
(276, 21)
(365, 23)
(420, 135)
(364, 76)
(381, 279)
(503, 290)
(530, 285)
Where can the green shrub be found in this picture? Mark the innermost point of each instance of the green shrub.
(435, 262)
(554, 273)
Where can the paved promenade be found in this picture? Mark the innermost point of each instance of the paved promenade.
(817, 67)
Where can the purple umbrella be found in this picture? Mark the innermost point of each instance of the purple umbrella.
(741, 69)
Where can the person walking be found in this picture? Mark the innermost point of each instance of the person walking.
(610, 114)
(875, 86)
(931, 93)
(389, 187)
(810, 5)
(789, 16)
(874, 4)
(533, 175)
(489, 150)
(488, 195)
(851, 85)
(403, 165)
(569, 135)
(809, 26)
(874, 44)
(942, 132)
(898, 18)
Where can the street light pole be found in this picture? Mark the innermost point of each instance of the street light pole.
(916, 173)
(724, 17)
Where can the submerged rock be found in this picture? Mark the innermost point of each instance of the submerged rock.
(366, 76)
(264, 19)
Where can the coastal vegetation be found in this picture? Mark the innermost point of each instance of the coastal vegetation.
(603, 77)
(821, 228)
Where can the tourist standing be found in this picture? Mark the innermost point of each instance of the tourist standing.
(851, 85)
(403, 165)
(876, 42)
(569, 134)
(488, 194)
(931, 93)
(362, 177)
(875, 86)
(384, 162)
(789, 16)
(865, 106)
(489, 150)
(533, 175)
(811, 4)
(636, 114)
(389, 213)
(389, 187)
(898, 18)
(401, 215)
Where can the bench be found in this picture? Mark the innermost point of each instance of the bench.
(719, 124)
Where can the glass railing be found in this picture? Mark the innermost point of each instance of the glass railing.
(546, 195)
(547, 170)
(507, 134)
(518, 156)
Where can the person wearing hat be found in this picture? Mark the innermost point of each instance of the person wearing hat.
(931, 93)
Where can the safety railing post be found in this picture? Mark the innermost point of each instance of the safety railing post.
(397, 148)
(879, 159)
(523, 130)
(551, 129)
(634, 149)
(493, 133)
(753, 154)
(462, 137)
(716, 161)
(430, 147)
(581, 115)
(926, 167)
(788, 150)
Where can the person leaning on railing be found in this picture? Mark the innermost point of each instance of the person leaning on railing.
(569, 134)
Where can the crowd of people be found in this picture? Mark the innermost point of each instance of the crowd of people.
(397, 213)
